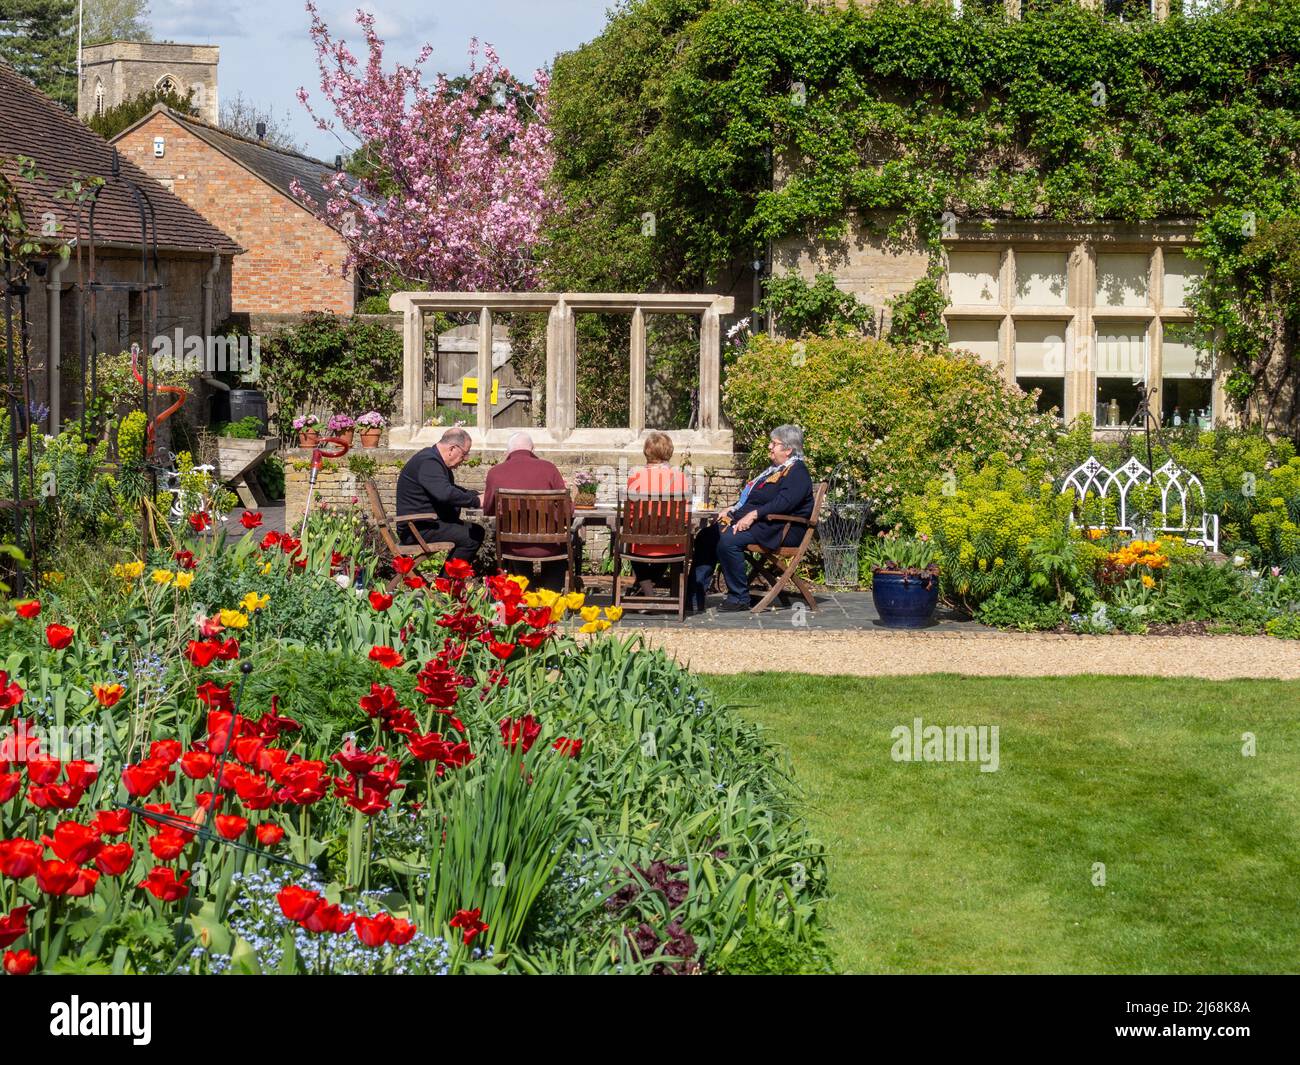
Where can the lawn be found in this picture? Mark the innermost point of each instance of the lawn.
(939, 867)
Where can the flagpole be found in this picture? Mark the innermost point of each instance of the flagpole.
(81, 7)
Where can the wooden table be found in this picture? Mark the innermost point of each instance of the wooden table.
(606, 514)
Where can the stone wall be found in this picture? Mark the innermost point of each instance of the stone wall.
(126, 69)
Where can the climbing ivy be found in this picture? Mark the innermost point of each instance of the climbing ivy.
(691, 133)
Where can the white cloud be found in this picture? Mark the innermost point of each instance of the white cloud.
(185, 21)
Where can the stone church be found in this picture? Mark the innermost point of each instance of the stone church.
(119, 71)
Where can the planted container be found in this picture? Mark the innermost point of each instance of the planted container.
(904, 580)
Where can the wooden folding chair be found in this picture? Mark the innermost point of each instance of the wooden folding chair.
(536, 517)
(779, 567)
(661, 520)
(390, 533)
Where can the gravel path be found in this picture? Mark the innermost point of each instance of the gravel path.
(983, 654)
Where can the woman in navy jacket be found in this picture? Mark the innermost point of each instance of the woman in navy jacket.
(785, 487)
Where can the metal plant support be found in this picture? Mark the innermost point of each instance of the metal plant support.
(840, 531)
(148, 286)
(18, 396)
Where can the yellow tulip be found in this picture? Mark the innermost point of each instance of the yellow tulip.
(614, 613)
(253, 602)
(184, 580)
(595, 626)
(234, 619)
(532, 599)
(520, 580)
(547, 597)
(557, 611)
(162, 576)
(266, 567)
(128, 570)
(590, 613)
(574, 600)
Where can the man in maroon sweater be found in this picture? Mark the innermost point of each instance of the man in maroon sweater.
(521, 468)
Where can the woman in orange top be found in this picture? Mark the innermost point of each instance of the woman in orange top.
(655, 479)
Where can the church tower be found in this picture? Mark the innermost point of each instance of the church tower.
(119, 71)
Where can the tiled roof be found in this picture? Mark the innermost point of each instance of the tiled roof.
(64, 149)
(278, 167)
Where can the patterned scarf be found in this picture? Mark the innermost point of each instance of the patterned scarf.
(749, 487)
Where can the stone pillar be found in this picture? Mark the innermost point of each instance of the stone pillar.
(413, 371)
(636, 406)
(484, 370)
(710, 370)
(561, 371)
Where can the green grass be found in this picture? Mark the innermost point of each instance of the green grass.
(938, 867)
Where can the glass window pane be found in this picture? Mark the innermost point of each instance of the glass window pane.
(973, 277)
(1121, 350)
(1180, 356)
(1051, 392)
(1122, 279)
(1184, 401)
(1117, 401)
(980, 337)
(1040, 348)
(1181, 275)
(1040, 278)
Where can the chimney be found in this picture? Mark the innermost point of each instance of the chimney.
(338, 162)
(261, 131)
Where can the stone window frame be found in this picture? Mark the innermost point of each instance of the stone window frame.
(1081, 312)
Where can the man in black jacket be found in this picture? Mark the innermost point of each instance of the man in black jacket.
(426, 484)
(785, 487)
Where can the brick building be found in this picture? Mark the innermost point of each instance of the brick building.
(194, 257)
(293, 261)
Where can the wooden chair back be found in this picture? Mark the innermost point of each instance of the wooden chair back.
(379, 516)
(655, 520)
(533, 516)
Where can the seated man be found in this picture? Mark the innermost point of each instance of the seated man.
(426, 484)
(785, 487)
(522, 469)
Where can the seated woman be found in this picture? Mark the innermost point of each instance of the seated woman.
(656, 478)
(785, 487)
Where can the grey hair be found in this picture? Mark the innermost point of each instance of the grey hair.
(456, 436)
(519, 442)
(789, 436)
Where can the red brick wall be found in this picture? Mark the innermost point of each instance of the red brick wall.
(292, 262)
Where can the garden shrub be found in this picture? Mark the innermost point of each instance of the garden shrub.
(994, 528)
(1020, 611)
(1208, 591)
(888, 417)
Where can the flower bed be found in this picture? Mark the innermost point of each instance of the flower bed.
(295, 777)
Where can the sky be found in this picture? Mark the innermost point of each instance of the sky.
(266, 53)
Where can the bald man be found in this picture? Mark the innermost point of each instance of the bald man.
(522, 469)
(426, 484)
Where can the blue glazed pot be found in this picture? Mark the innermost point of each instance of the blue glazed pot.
(905, 602)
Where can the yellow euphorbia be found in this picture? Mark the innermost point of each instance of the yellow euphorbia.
(53, 576)
(234, 619)
(128, 571)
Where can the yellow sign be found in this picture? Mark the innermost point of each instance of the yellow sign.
(469, 389)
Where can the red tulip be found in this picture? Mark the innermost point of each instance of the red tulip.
(85, 884)
(19, 857)
(13, 926)
(415, 582)
(184, 559)
(200, 521)
(402, 932)
(55, 797)
(231, 826)
(73, 842)
(327, 918)
(115, 859)
(427, 748)
(268, 835)
(55, 877)
(567, 746)
(58, 636)
(11, 693)
(270, 540)
(209, 800)
(218, 698)
(354, 760)
(201, 653)
(163, 883)
(250, 519)
(297, 903)
(501, 650)
(80, 773)
(227, 650)
(29, 608)
(44, 770)
(141, 779)
(386, 657)
(165, 751)
(20, 963)
(10, 785)
(458, 569)
(523, 730)
(374, 931)
(112, 822)
(469, 924)
(196, 764)
(168, 844)
(247, 748)
(380, 601)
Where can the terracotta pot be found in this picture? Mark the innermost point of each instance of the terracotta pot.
(345, 435)
(370, 437)
(308, 438)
